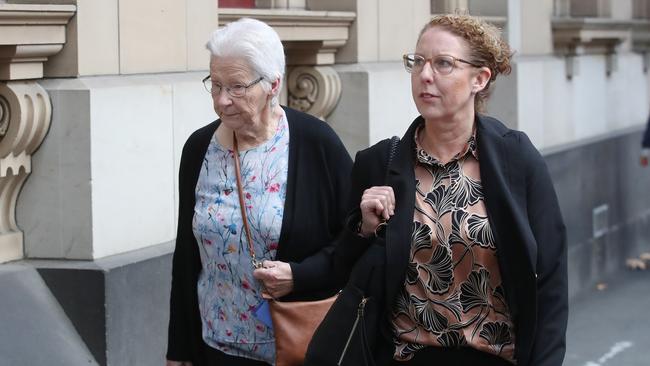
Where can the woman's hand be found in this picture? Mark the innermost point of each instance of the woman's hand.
(377, 205)
(178, 363)
(276, 277)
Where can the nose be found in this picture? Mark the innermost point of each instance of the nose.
(221, 98)
(426, 74)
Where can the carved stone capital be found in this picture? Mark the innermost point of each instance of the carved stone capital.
(4, 117)
(25, 114)
(314, 90)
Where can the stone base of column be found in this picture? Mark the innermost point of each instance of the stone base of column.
(118, 305)
(35, 331)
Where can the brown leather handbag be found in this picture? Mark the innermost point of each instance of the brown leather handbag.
(294, 322)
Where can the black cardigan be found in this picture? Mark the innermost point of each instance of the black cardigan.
(314, 210)
(524, 215)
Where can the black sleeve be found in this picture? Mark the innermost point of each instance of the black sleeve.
(183, 308)
(313, 272)
(368, 170)
(552, 280)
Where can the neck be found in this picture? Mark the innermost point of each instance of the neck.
(443, 139)
(258, 132)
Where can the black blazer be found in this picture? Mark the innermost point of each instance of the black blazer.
(314, 210)
(524, 215)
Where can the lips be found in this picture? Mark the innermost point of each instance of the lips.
(428, 96)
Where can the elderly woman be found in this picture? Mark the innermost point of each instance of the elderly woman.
(475, 252)
(294, 174)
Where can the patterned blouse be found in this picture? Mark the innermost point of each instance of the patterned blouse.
(452, 294)
(227, 292)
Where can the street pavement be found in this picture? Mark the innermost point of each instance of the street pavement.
(611, 327)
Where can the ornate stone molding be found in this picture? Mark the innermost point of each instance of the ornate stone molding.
(589, 35)
(311, 40)
(576, 36)
(26, 111)
(314, 90)
(310, 37)
(641, 40)
(29, 35)
(4, 117)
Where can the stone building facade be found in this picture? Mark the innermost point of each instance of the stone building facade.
(98, 97)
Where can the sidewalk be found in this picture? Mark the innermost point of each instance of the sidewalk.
(611, 327)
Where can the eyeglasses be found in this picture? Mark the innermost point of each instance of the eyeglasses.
(441, 64)
(235, 91)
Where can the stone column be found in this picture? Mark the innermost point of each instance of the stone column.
(448, 6)
(622, 9)
(529, 26)
(641, 9)
(518, 98)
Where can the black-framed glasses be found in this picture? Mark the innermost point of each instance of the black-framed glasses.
(235, 91)
(441, 64)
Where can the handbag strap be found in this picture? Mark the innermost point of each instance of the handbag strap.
(392, 150)
(240, 191)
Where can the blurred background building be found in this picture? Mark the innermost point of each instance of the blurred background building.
(98, 96)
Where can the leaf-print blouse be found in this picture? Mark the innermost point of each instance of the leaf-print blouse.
(452, 294)
(227, 292)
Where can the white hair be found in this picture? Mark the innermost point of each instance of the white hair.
(255, 42)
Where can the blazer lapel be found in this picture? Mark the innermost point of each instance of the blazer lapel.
(494, 178)
(401, 176)
(500, 177)
(515, 244)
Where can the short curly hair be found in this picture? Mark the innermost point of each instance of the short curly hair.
(487, 47)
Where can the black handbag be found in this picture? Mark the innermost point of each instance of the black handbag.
(348, 333)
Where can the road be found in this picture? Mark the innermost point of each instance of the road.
(611, 327)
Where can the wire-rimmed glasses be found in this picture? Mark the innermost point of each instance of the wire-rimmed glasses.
(235, 91)
(441, 64)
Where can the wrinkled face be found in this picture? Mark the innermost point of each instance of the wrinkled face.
(445, 96)
(236, 112)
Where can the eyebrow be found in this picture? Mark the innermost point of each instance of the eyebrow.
(234, 78)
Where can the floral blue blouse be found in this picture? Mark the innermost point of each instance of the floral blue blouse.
(227, 292)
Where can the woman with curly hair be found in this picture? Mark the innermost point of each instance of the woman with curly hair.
(475, 250)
